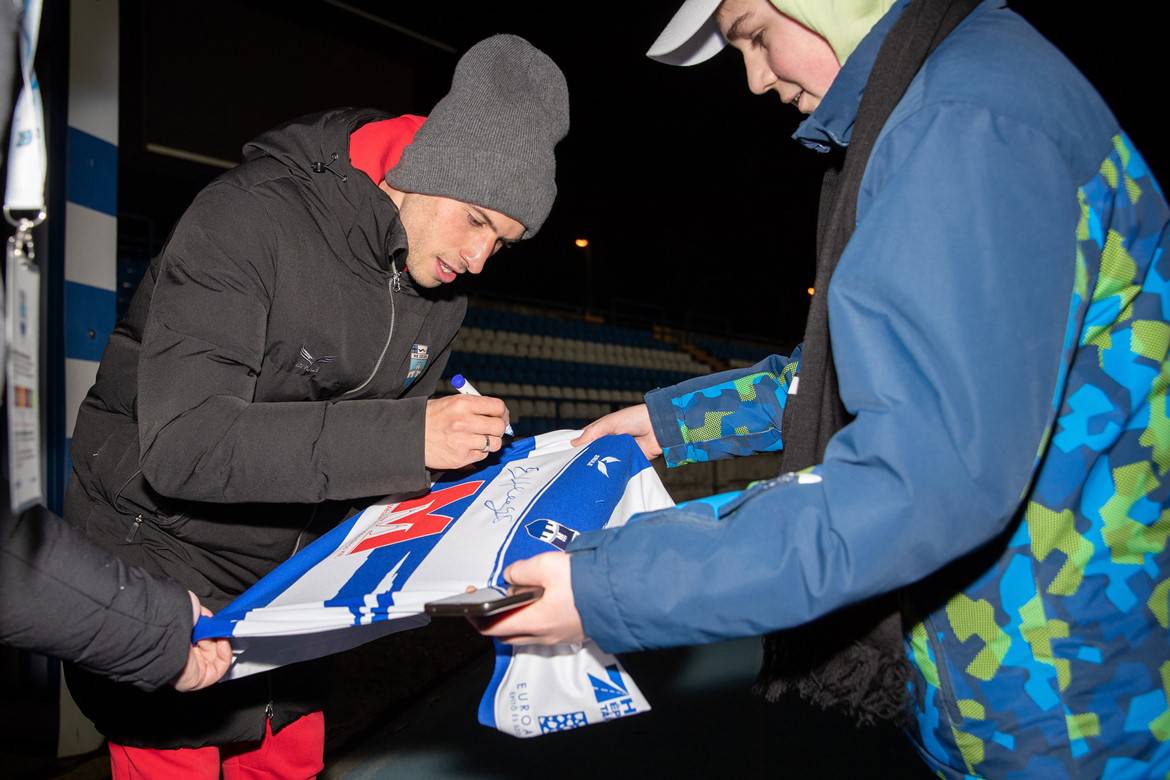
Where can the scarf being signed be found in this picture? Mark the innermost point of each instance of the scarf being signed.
(371, 575)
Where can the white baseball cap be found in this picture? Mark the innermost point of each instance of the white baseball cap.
(691, 37)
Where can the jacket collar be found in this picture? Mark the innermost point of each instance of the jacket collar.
(832, 123)
(315, 149)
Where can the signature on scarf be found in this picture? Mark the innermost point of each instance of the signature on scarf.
(518, 481)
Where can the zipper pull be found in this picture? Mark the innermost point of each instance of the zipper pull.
(327, 167)
(268, 709)
(134, 528)
(396, 278)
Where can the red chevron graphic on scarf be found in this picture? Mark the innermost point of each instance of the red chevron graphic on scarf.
(394, 527)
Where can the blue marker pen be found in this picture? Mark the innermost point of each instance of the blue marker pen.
(460, 383)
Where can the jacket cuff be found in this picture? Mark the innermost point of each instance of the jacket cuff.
(375, 447)
(664, 420)
(172, 609)
(144, 632)
(593, 594)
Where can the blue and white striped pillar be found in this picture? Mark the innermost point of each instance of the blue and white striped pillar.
(91, 248)
(91, 208)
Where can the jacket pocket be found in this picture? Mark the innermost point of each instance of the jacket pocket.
(952, 728)
(119, 482)
(105, 468)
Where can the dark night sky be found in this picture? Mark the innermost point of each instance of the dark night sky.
(700, 209)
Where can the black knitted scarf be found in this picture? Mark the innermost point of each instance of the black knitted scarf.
(851, 661)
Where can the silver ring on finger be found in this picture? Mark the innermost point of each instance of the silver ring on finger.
(487, 443)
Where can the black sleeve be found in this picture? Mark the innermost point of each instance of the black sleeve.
(63, 596)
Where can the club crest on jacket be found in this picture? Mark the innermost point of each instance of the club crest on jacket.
(418, 362)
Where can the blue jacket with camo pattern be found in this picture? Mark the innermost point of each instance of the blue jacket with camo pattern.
(1000, 324)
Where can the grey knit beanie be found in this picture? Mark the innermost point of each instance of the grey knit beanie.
(490, 140)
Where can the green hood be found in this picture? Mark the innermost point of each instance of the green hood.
(843, 23)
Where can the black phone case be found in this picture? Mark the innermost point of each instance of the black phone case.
(486, 608)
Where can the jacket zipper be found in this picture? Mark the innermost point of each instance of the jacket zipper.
(393, 286)
(134, 528)
(122, 488)
(138, 519)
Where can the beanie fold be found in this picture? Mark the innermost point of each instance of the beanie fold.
(490, 179)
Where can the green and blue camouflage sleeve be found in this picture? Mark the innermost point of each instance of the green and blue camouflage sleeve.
(935, 462)
(736, 412)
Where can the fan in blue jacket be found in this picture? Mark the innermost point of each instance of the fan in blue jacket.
(1000, 322)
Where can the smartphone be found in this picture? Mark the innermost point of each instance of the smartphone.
(482, 602)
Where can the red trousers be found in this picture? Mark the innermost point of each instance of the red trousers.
(294, 753)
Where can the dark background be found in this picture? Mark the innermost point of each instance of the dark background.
(699, 208)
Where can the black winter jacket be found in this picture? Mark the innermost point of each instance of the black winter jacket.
(266, 378)
(62, 595)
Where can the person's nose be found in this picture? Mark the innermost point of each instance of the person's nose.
(477, 251)
(759, 76)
